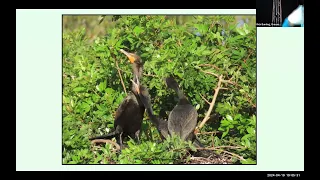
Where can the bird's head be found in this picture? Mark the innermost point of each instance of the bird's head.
(133, 58)
(171, 82)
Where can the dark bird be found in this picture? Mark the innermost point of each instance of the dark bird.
(182, 120)
(161, 125)
(129, 115)
(183, 129)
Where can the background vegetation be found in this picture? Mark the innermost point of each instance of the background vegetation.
(195, 49)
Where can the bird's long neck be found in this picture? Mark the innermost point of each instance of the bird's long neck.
(153, 118)
(137, 71)
(160, 124)
(182, 97)
(179, 92)
(147, 104)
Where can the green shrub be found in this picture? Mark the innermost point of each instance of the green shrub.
(192, 52)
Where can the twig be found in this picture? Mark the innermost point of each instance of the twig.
(233, 154)
(151, 75)
(204, 99)
(229, 147)
(124, 88)
(227, 152)
(206, 118)
(210, 65)
(245, 61)
(212, 136)
(106, 141)
(216, 75)
(221, 147)
(214, 132)
(216, 91)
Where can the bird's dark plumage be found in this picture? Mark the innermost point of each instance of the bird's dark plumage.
(129, 115)
(162, 125)
(182, 119)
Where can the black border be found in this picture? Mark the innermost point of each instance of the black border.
(256, 175)
(231, 4)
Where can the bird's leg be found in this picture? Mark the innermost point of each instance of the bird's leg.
(119, 131)
(120, 141)
(137, 135)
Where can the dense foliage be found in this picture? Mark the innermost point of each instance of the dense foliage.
(193, 52)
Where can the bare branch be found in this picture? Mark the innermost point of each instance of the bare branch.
(216, 91)
(210, 73)
(206, 118)
(230, 147)
(124, 87)
(106, 141)
(210, 65)
(235, 155)
(214, 132)
(204, 99)
(222, 147)
(227, 152)
(150, 75)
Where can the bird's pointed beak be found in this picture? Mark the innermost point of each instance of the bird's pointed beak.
(129, 55)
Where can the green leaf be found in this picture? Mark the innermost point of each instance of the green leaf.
(248, 161)
(250, 130)
(225, 133)
(138, 30)
(102, 86)
(229, 117)
(241, 31)
(206, 52)
(79, 89)
(85, 107)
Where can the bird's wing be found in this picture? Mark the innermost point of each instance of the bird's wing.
(190, 123)
(123, 106)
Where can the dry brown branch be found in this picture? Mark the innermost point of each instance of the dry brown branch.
(206, 118)
(106, 141)
(150, 75)
(224, 81)
(210, 65)
(214, 132)
(229, 147)
(212, 139)
(204, 99)
(216, 91)
(227, 152)
(211, 73)
(221, 147)
(248, 56)
(124, 87)
(233, 154)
